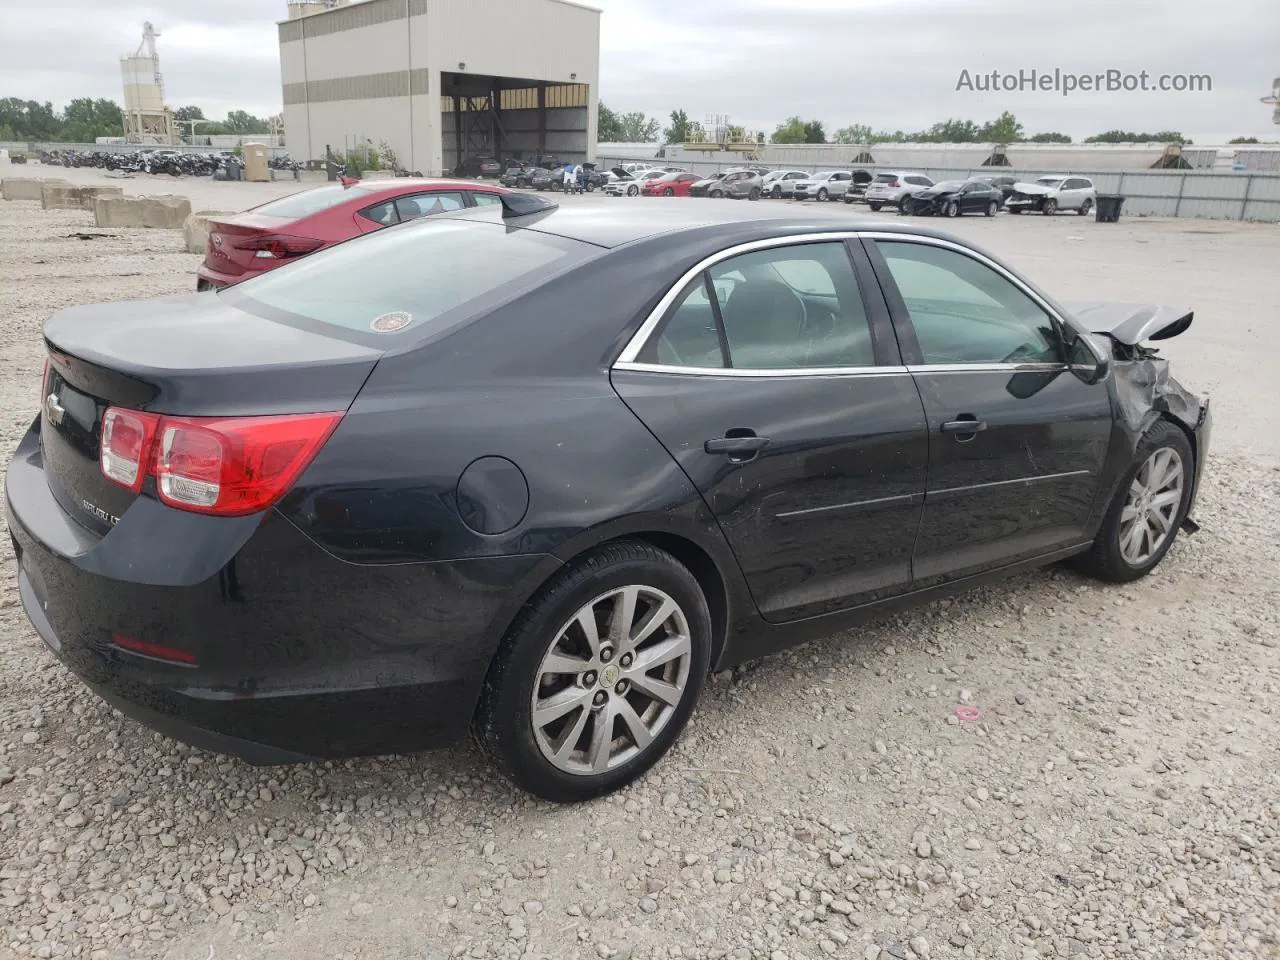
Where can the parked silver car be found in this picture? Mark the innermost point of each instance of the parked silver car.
(1051, 194)
(888, 189)
(738, 184)
(781, 183)
(826, 185)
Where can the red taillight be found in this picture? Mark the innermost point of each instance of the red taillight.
(229, 467)
(895, 184)
(44, 383)
(126, 446)
(271, 246)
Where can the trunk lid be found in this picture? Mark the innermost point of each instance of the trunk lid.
(192, 356)
(226, 250)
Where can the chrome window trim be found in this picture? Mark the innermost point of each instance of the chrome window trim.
(782, 372)
(627, 358)
(923, 368)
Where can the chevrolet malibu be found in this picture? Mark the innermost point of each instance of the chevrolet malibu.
(534, 472)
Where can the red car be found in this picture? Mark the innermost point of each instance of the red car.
(670, 185)
(246, 244)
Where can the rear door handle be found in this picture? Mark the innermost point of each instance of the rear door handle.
(737, 448)
(970, 425)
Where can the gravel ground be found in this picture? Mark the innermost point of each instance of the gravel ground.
(1119, 795)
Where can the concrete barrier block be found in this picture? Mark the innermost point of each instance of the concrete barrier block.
(163, 212)
(64, 196)
(26, 188)
(196, 229)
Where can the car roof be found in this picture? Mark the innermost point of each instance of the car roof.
(611, 226)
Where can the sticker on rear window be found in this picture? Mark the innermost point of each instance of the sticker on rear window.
(391, 322)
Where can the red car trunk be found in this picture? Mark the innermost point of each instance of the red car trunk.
(248, 242)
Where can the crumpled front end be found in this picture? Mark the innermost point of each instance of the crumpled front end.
(1145, 390)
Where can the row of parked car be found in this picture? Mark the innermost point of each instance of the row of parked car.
(907, 191)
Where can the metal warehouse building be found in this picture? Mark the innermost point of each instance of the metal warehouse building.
(441, 80)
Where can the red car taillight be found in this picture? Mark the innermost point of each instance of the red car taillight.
(229, 467)
(270, 246)
(895, 184)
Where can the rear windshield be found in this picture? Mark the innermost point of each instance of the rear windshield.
(416, 278)
(886, 177)
(307, 202)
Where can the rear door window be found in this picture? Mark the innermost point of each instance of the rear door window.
(485, 199)
(383, 213)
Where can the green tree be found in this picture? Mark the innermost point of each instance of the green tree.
(792, 131)
(1049, 138)
(183, 114)
(814, 132)
(681, 128)
(1003, 129)
(241, 122)
(1128, 136)
(608, 129)
(637, 128)
(1244, 140)
(854, 133)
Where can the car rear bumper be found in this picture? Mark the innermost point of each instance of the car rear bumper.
(295, 654)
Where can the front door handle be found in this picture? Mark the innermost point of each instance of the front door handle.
(967, 426)
(737, 448)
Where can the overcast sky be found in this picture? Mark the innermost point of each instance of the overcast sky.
(887, 63)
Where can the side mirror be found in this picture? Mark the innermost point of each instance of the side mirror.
(1088, 360)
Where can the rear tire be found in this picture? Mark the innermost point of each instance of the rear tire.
(1085, 208)
(993, 208)
(633, 191)
(668, 192)
(777, 193)
(558, 759)
(754, 194)
(904, 204)
(875, 207)
(1113, 560)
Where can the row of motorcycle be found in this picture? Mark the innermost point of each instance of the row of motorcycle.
(169, 162)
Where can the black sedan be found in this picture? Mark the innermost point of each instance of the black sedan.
(951, 198)
(534, 472)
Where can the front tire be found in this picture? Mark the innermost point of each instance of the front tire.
(777, 193)
(598, 675)
(668, 192)
(1085, 208)
(993, 208)
(875, 207)
(633, 191)
(952, 209)
(822, 193)
(1050, 207)
(1149, 507)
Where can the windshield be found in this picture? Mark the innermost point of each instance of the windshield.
(403, 278)
(307, 202)
(1049, 181)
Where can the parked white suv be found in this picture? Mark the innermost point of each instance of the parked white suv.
(781, 183)
(1051, 194)
(889, 189)
(827, 185)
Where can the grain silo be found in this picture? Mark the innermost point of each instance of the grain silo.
(146, 118)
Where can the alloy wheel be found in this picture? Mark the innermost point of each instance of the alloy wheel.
(611, 680)
(1151, 508)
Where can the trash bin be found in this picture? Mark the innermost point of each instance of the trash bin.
(233, 169)
(1109, 205)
